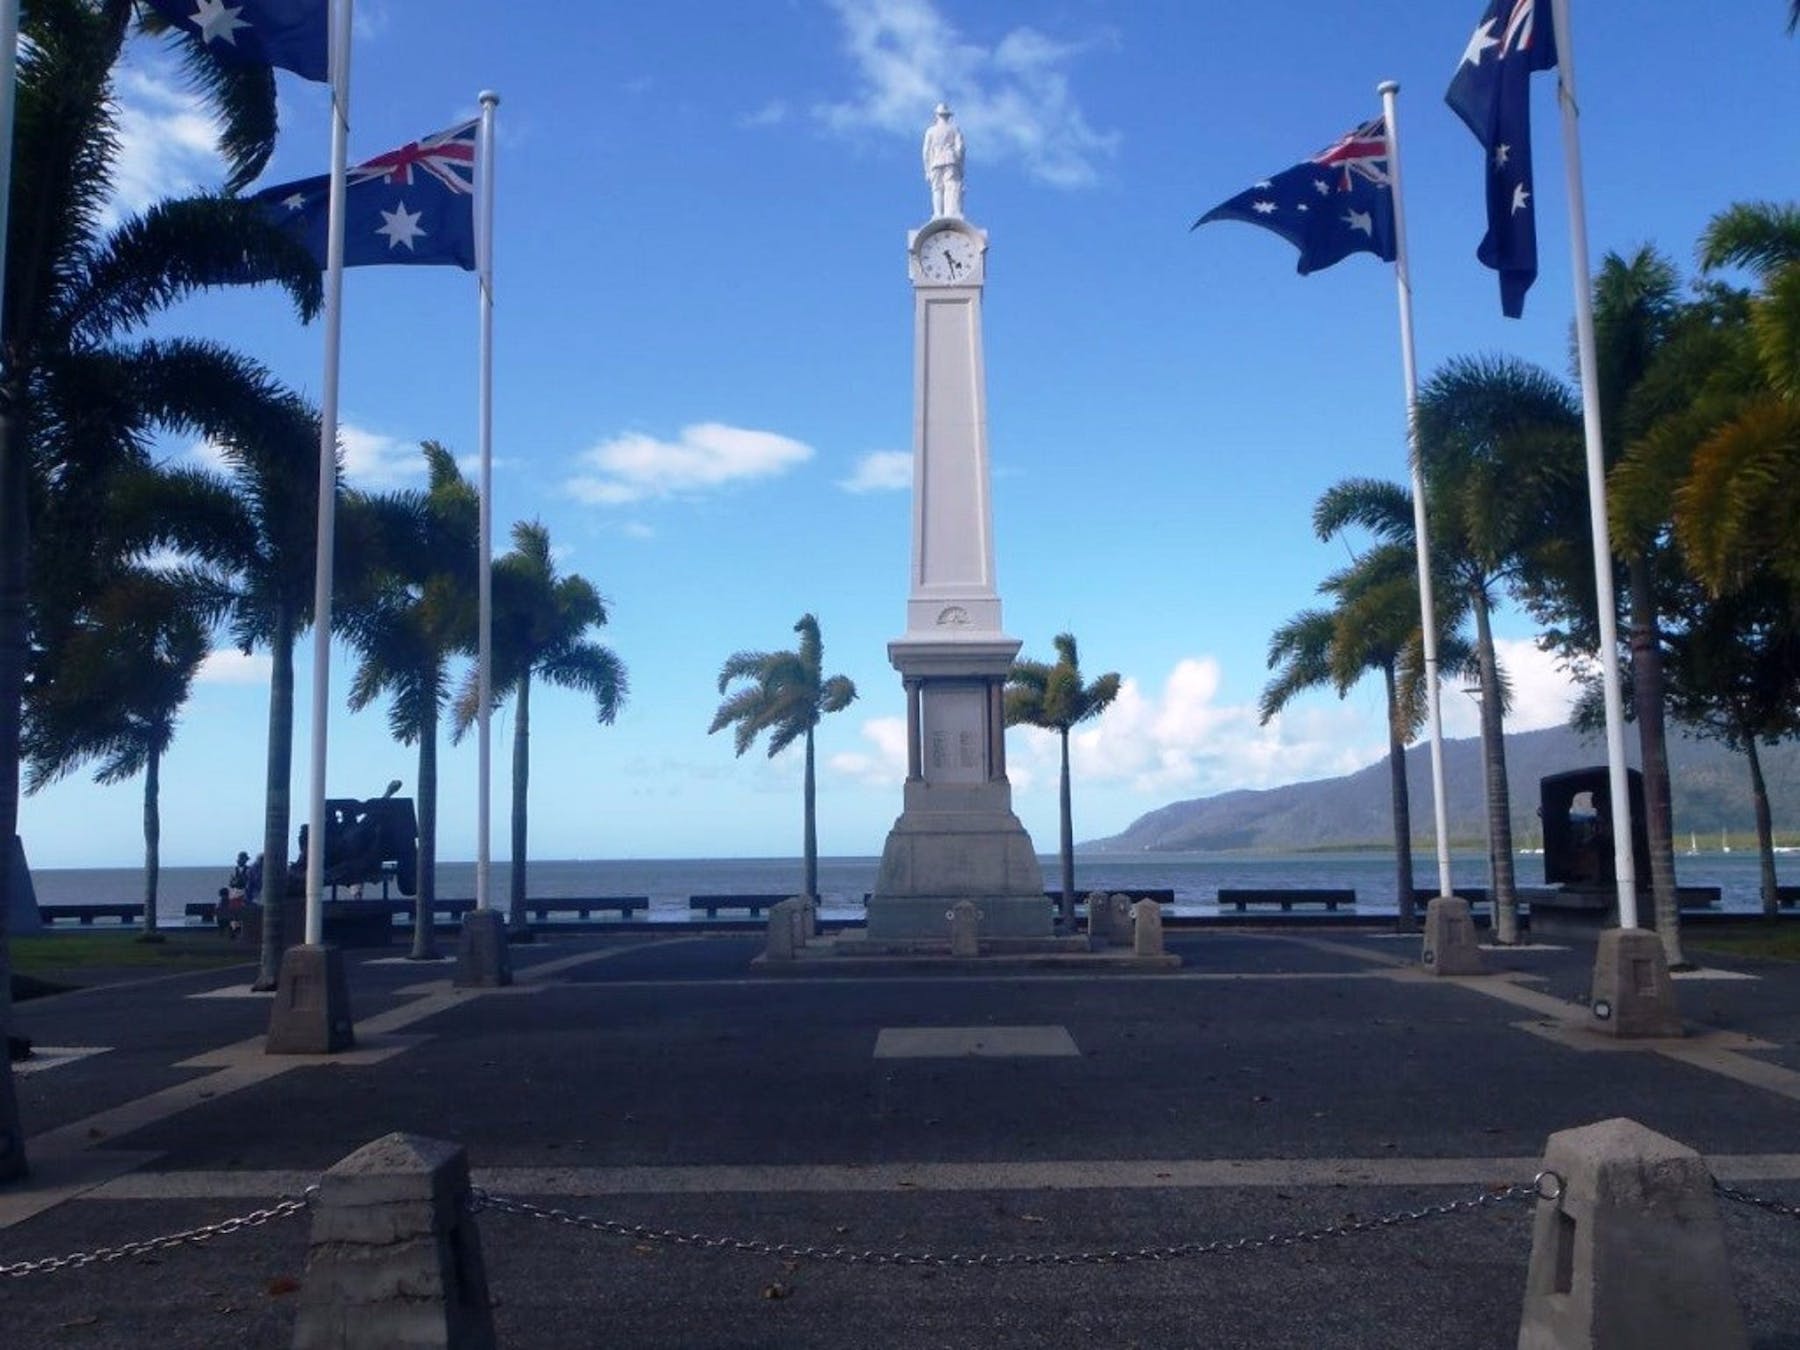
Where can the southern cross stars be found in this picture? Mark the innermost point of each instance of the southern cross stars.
(1478, 45)
(1262, 208)
(1360, 220)
(1520, 198)
(216, 19)
(400, 226)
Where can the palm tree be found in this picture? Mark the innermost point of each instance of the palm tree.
(255, 524)
(785, 694)
(119, 676)
(418, 610)
(1371, 627)
(1743, 486)
(80, 383)
(1499, 441)
(540, 628)
(1054, 698)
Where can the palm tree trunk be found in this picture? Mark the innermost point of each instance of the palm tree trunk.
(152, 841)
(14, 521)
(1067, 906)
(424, 948)
(1765, 831)
(521, 783)
(812, 827)
(275, 798)
(1402, 807)
(1647, 694)
(1493, 757)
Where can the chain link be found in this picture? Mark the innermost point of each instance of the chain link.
(1756, 1201)
(481, 1199)
(256, 1218)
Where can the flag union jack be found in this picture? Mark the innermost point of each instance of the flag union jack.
(449, 157)
(1363, 152)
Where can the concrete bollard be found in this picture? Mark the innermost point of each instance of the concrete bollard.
(1147, 932)
(1119, 924)
(1633, 995)
(965, 929)
(1631, 1253)
(806, 909)
(1099, 920)
(483, 958)
(782, 926)
(395, 1258)
(1450, 947)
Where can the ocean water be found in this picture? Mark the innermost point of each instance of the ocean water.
(1194, 877)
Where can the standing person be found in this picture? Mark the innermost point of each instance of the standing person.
(239, 880)
(943, 152)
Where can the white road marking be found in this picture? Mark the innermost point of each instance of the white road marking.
(973, 1042)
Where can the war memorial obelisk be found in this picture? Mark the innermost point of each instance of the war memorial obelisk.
(957, 837)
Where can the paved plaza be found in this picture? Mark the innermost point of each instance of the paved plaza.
(1280, 1082)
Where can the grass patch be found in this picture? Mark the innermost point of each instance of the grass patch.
(1778, 940)
(62, 953)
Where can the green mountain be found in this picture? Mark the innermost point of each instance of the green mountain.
(1711, 789)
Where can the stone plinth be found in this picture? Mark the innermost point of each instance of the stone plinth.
(1633, 995)
(483, 960)
(312, 1004)
(1631, 1254)
(1449, 947)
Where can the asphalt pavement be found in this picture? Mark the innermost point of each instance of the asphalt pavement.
(1282, 1082)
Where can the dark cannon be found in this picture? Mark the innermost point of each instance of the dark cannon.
(363, 840)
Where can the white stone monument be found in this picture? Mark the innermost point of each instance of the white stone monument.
(957, 837)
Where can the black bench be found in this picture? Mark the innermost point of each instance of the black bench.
(86, 914)
(1242, 897)
(584, 906)
(755, 904)
(1475, 895)
(1788, 895)
(204, 910)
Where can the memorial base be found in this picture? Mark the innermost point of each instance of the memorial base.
(955, 843)
(312, 1004)
(482, 959)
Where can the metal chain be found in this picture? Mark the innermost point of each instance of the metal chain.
(481, 1200)
(1756, 1201)
(256, 1218)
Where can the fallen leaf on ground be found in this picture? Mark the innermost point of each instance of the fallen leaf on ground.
(282, 1284)
(777, 1290)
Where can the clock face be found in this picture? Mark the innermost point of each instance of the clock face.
(948, 257)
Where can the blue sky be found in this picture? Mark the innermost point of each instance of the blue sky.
(703, 366)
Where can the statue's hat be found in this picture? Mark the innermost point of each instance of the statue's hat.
(942, 110)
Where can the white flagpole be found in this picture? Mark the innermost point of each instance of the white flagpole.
(328, 427)
(484, 680)
(1623, 863)
(1427, 607)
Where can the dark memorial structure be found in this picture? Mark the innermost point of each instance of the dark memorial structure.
(1576, 809)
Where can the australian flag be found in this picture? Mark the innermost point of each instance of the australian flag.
(412, 205)
(292, 34)
(1339, 202)
(1492, 93)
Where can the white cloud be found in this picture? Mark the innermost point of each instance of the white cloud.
(1185, 740)
(375, 460)
(771, 114)
(636, 529)
(168, 145)
(1542, 693)
(1012, 100)
(885, 764)
(228, 665)
(880, 471)
(708, 455)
